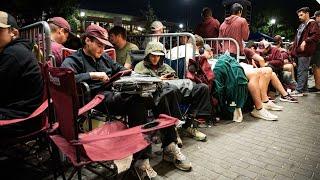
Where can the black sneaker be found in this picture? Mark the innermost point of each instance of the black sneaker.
(288, 98)
(313, 89)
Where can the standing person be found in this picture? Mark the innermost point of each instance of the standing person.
(118, 37)
(315, 60)
(60, 30)
(209, 27)
(156, 28)
(90, 64)
(235, 27)
(304, 46)
(20, 76)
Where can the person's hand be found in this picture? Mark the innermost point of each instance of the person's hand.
(168, 76)
(100, 76)
(286, 61)
(302, 45)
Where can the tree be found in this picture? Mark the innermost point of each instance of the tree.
(26, 12)
(150, 16)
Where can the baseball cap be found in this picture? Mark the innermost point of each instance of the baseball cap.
(207, 47)
(99, 33)
(6, 20)
(263, 45)
(155, 48)
(317, 13)
(156, 25)
(61, 22)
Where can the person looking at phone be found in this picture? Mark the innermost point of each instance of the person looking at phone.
(91, 65)
(197, 95)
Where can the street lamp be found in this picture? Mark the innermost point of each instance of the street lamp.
(273, 21)
(82, 21)
(181, 26)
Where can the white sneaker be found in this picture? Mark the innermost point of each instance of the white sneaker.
(272, 106)
(264, 114)
(144, 169)
(296, 93)
(237, 115)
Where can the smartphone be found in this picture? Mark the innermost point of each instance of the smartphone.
(169, 75)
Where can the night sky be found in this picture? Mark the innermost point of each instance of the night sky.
(175, 10)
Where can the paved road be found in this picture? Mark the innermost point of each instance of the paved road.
(258, 149)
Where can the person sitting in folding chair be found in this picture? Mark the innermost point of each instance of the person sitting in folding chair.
(91, 65)
(22, 86)
(197, 95)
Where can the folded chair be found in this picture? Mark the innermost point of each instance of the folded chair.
(112, 141)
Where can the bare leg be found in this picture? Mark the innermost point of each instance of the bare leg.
(254, 89)
(290, 68)
(316, 73)
(264, 80)
(277, 84)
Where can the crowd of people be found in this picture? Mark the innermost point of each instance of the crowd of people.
(264, 68)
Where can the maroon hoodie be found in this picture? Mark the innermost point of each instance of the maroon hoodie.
(237, 28)
(209, 28)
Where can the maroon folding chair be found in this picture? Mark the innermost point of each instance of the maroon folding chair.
(112, 53)
(112, 141)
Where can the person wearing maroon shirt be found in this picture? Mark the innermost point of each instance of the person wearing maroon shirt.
(235, 27)
(304, 46)
(271, 55)
(209, 27)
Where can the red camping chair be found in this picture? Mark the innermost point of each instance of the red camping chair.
(112, 53)
(110, 142)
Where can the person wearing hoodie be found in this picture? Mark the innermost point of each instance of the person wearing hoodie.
(197, 95)
(209, 27)
(20, 75)
(234, 27)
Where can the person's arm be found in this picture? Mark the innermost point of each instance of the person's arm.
(77, 67)
(245, 30)
(314, 34)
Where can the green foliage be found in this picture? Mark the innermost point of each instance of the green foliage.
(150, 16)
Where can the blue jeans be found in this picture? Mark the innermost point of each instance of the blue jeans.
(302, 73)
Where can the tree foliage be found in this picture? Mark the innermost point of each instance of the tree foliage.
(150, 16)
(27, 13)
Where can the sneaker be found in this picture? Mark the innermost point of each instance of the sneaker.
(272, 106)
(144, 170)
(172, 153)
(264, 114)
(313, 89)
(196, 134)
(288, 98)
(296, 93)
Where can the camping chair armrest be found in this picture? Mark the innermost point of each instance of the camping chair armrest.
(84, 92)
(36, 113)
(93, 103)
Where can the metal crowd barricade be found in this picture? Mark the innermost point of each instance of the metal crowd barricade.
(39, 34)
(170, 41)
(217, 44)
